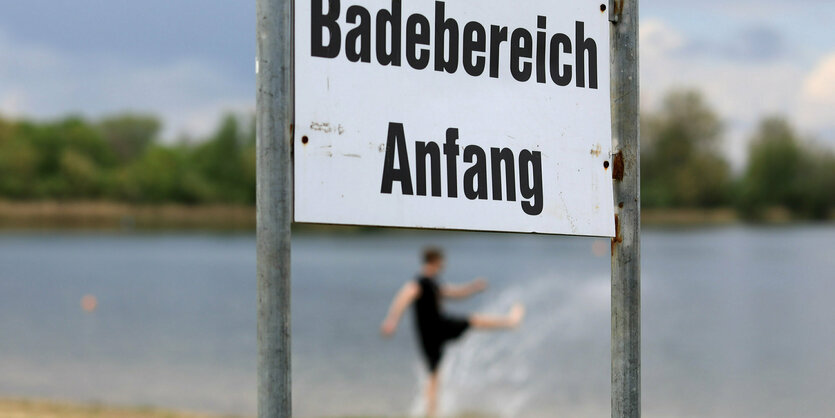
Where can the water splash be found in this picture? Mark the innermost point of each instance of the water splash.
(500, 373)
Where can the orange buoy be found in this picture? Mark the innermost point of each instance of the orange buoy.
(89, 303)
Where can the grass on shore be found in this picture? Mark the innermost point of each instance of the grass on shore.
(112, 215)
(50, 215)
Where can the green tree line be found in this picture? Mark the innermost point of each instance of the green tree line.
(120, 158)
(682, 165)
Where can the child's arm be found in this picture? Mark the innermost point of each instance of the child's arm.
(407, 294)
(464, 290)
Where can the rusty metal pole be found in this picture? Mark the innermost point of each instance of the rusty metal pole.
(274, 198)
(626, 246)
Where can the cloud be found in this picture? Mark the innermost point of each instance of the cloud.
(817, 99)
(819, 86)
(12, 103)
(757, 43)
(658, 39)
(188, 94)
(748, 9)
(739, 89)
(753, 43)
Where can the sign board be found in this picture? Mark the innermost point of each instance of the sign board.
(491, 115)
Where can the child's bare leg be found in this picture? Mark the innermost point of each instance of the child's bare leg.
(511, 320)
(432, 393)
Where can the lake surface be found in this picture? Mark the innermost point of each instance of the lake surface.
(737, 322)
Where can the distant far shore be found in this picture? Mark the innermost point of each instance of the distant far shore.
(122, 216)
(103, 215)
(59, 409)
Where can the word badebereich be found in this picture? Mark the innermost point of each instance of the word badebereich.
(446, 45)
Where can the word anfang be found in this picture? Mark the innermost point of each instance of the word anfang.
(474, 174)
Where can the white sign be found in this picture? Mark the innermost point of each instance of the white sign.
(486, 115)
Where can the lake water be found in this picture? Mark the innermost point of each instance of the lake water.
(737, 322)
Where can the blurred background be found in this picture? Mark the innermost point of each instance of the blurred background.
(127, 248)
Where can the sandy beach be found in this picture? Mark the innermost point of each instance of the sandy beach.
(30, 408)
(40, 408)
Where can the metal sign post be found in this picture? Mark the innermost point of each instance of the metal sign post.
(274, 202)
(626, 245)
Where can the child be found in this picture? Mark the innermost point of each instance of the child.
(435, 327)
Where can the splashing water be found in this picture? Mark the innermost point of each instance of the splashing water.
(501, 373)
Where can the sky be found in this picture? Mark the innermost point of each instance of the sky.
(189, 61)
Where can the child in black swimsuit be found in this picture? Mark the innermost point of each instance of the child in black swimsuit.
(436, 328)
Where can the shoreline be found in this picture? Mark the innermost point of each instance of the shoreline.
(51, 408)
(114, 216)
(32, 407)
(45, 215)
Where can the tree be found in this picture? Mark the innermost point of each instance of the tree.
(129, 135)
(681, 163)
(783, 170)
(18, 163)
(222, 162)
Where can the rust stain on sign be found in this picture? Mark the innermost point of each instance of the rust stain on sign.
(595, 152)
(617, 166)
(616, 11)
